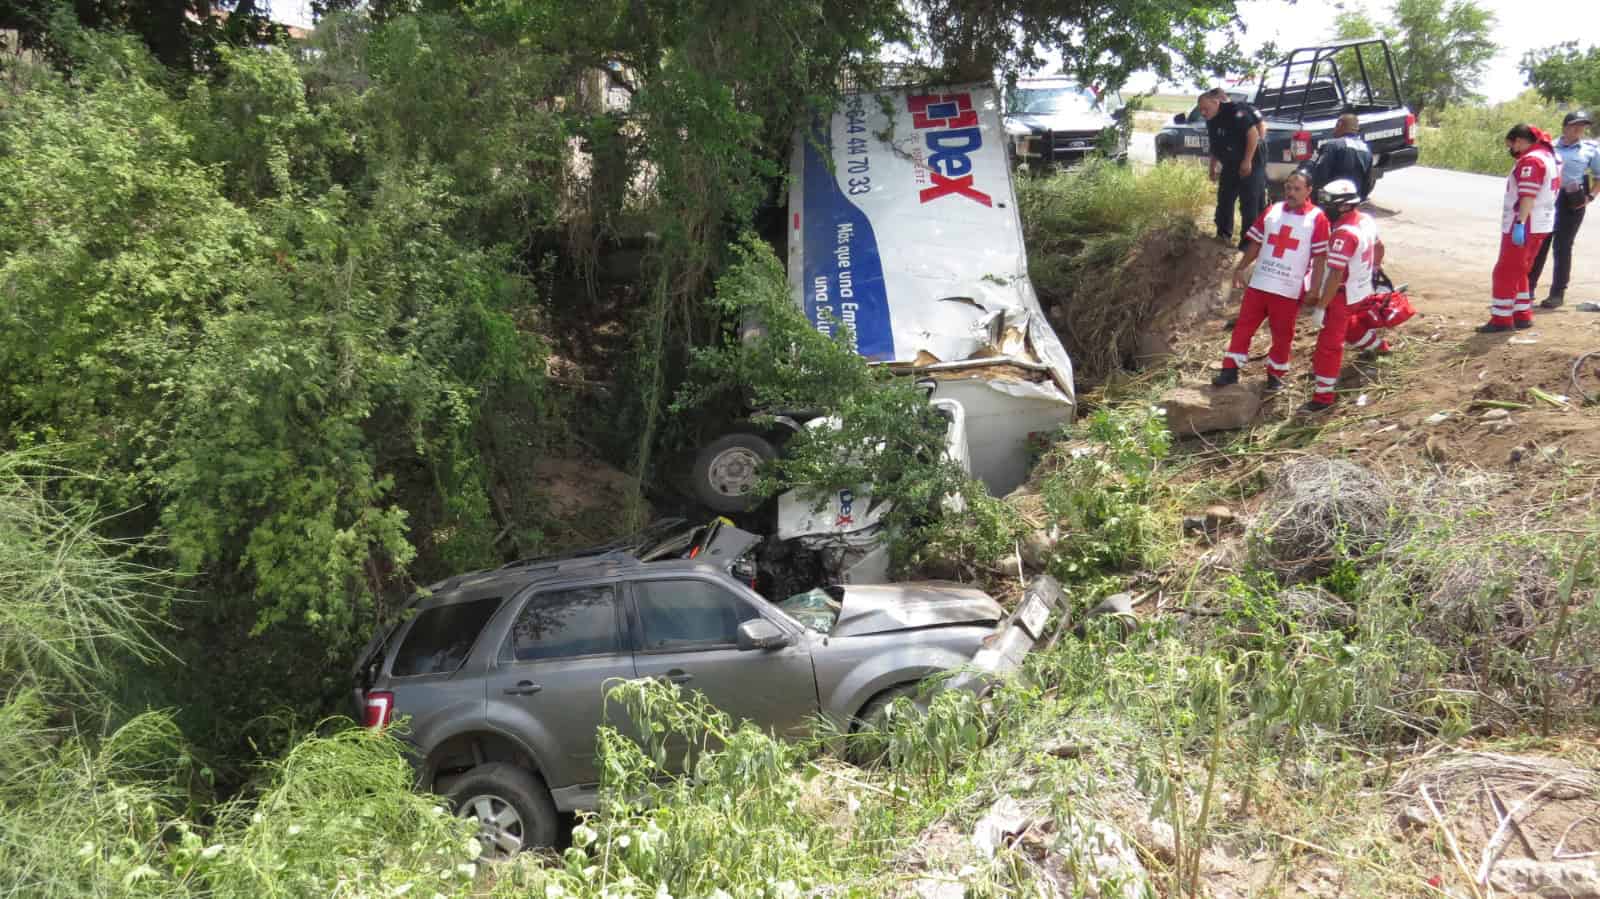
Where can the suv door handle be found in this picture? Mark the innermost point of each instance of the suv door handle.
(523, 688)
(678, 676)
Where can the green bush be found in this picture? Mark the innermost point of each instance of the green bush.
(1473, 138)
(1106, 496)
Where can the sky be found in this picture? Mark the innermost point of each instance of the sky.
(1295, 24)
(1291, 25)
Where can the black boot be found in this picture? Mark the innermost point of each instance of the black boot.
(1523, 324)
(1316, 407)
(1554, 300)
(1493, 328)
(1226, 377)
(1274, 383)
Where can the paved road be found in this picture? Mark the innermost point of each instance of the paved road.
(1449, 223)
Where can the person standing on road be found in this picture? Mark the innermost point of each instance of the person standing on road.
(1580, 181)
(1238, 159)
(1354, 254)
(1289, 239)
(1526, 220)
(1345, 155)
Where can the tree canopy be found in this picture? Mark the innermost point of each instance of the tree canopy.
(1564, 73)
(1441, 48)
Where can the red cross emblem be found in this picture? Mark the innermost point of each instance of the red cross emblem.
(1282, 242)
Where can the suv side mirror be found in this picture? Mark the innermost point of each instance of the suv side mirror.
(759, 633)
(1180, 119)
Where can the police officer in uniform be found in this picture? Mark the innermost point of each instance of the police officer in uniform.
(1238, 159)
(1344, 156)
(1580, 181)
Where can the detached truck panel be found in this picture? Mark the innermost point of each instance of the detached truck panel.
(904, 236)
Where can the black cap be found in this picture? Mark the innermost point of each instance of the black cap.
(1576, 117)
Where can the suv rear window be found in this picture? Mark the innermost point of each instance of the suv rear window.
(441, 637)
(565, 623)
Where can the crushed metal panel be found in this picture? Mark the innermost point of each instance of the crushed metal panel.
(904, 233)
(880, 608)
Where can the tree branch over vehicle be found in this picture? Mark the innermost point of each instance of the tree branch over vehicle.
(1099, 42)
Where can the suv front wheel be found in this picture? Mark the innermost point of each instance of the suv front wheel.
(513, 808)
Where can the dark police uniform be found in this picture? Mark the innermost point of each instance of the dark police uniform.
(1343, 157)
(1228, 131)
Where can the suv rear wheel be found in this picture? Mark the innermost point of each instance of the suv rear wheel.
(513, 808)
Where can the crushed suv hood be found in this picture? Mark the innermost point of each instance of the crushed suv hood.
(880, 608)
(1073, 121)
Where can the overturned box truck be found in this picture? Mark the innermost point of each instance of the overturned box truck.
(904, 234)
(904, 231)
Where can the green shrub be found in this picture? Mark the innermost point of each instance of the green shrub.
(1106, 496)
(1472, 138)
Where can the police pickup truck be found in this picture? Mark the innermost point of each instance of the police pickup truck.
(1301, 99)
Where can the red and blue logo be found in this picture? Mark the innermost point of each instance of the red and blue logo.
(951, 131)
(847, 503)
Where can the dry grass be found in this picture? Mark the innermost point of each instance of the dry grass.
(1317, 512)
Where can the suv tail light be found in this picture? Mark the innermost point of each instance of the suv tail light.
(1411, 130)
(379, 708)
(1300, 146)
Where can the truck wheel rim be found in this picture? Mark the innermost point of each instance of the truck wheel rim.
(499, 826)
(733, 471)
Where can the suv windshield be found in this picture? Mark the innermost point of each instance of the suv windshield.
(1053, 100)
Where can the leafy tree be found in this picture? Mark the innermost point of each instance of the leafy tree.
(182, 34)
(1099, 42)
(1565, 74)
(1440, 47)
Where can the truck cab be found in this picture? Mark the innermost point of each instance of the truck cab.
(1301, 99)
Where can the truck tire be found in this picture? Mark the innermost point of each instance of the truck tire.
(513, 808)
(725, 471)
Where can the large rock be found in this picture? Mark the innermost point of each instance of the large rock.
(1548, 880)
(1201, 410)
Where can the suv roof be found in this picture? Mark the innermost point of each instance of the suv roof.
(519, 574)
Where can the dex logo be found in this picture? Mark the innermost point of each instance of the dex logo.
(846, 506)
(950, 128)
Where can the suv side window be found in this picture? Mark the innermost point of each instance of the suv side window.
(560, 624)
(442, 637)
(688, 614)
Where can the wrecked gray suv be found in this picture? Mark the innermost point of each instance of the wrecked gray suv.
(502, 672)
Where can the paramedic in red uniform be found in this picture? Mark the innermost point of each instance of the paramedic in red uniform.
(1354, 254)
(1528, 217)
(1287, 241)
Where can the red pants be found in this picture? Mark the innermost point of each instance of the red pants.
(1367, 317)
(1278, 312)
(1362, 334)
(1329, 355)
(1512, 298)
